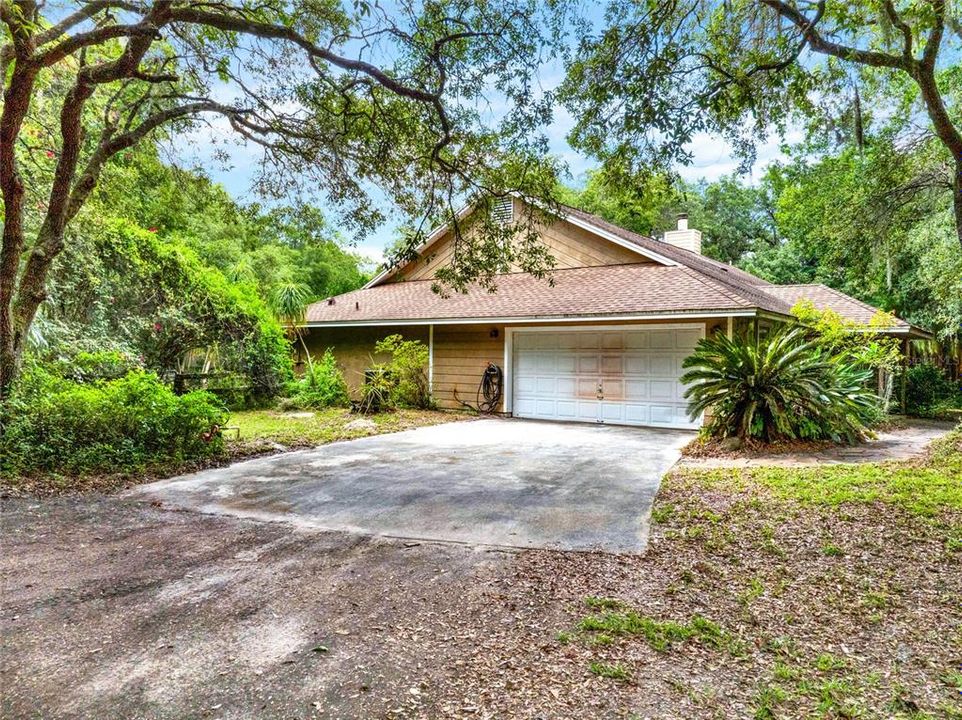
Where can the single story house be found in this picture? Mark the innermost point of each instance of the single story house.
(604, 342)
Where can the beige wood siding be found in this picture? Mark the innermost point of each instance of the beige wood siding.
(570, 246)
(461, 354)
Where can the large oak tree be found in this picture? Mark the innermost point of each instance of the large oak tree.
(431, 102)
(662, 71)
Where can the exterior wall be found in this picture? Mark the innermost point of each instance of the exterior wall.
(354, 347)
(570, 246)
(461, 352)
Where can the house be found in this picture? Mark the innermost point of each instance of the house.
(604, 342)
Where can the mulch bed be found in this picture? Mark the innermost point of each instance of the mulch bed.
(713, 448)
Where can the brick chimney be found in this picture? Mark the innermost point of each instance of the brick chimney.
(684, 237)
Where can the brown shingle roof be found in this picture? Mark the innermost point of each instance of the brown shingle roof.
(826, 298)
(613, 290)
(697, 283)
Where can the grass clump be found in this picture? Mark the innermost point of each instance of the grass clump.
(659, 634)
(612, 671)
(602, 603)
(766, 700)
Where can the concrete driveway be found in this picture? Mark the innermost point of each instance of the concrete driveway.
(513, 483)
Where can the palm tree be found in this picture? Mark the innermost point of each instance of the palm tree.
(289, 301)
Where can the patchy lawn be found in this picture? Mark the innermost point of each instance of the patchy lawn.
(262, 431)
(259, 432)
(831, 592)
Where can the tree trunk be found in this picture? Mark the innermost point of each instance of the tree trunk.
(957, 197)
(9, 364)
(307, 358)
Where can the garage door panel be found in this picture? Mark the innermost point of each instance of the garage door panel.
(661, 365)
(557, 375)
(662, 414)
(566, 387)
(612, 364)
(636, 364)
(526, 384)
(589, 340)
(567, 341)
(588, 364)
(662, 389)
(687, 339)
(637, 390)
(662, 340)
(566, 364)
(587, 388)
(637, 339)
(588, 411)
(612, 340)
(612, 412)
(637, 414)
(613, 388)
(547, 386)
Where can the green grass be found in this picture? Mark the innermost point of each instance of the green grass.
(923, 488)
(612, 671)
(259, 428)
(659, 634)
(832, 550)
(602, 603)
(826, 662)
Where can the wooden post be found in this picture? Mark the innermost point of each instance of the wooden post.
(906, 349)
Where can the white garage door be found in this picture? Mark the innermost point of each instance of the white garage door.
(620, 376)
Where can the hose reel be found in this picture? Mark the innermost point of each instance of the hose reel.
(490, 391)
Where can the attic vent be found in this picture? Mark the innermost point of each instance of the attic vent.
(502, 211)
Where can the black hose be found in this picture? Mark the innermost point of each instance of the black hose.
(490, 390)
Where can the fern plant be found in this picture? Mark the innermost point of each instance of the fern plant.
(779, 386)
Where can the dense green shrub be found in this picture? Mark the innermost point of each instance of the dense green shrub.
(862, 346)
(56, 424)
(322, 386)
(927, 389)
(407, 371)
(123, 286)
(779, 386)
(401, 381)
(96, 365)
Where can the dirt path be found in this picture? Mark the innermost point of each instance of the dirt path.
(122, 610)
(902, 443)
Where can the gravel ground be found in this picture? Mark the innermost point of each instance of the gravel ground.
(114, 609)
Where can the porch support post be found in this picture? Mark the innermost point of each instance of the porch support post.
(906, 349)
(730, 329)
(431, 359)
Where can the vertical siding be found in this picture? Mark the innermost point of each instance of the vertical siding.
(461, 354)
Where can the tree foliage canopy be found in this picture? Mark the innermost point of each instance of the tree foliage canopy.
(663, 72)
(340, 98)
